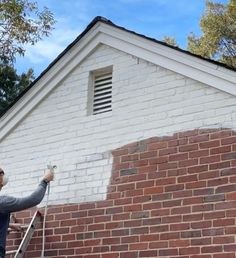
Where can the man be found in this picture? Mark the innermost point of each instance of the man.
(10, 204)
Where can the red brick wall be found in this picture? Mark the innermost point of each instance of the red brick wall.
(168, 197)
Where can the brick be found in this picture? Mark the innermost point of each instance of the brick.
(220, 150)
(201, 241)
(169, 235)
(228, 172)
(129, 158)
(214, 215)
(179, 227)
(223, 222)
(199, 138)
(151, 221)
(140, 214)
(188, 178)
(177, 172)
(194, 185)
(167, 252)
(230, 230)
(119, 248)
(227, 156)
(204, 207)
(178, 157)
(129, 171)
(189, 250)
(168, 151)
(138, 246)
(148, 154)
(153, 190)
(192, 200)
(214, 198)
(201, 225)
(139, 230)
(204, 191)
(182, 194)
(157, 146)
(209, 144)
(158, 244)
(129, 255)
(173, 188)
(179, 243)
(221, 134)
(217, 181)
(210, 159)
(158, 229)
(150, 253)
(198, 154)
(191, 234)
(145, 184)
(228, 140)
(188, 148)
(224, 255)
(212, 249)
(210, 174)
(225, 205)
(188, 163)
(158, 160)
(213, 232)
(219, 165)
(226, 188)
(223, 240)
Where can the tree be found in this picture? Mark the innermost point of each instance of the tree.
(218, 40)
(21, 23)
(170, 41)
(11, 84)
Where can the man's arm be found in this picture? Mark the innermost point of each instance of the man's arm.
(12, 204)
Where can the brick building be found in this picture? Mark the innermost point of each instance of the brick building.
(143, 135)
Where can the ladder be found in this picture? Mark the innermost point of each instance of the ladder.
(19, 253)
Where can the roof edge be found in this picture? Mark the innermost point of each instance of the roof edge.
(89, 26)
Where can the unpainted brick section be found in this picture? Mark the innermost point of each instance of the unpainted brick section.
(155, 206)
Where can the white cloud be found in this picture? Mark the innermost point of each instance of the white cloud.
(47, 49)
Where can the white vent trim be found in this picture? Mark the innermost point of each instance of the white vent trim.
(102, 93)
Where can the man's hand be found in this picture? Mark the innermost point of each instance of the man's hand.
(15, 227)
(48, 176)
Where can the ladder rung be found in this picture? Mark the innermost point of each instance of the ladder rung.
(28, 234)
(11, 252)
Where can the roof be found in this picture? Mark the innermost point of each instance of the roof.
(102, 30)
(91, 24)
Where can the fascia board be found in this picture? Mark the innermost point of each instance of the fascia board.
(187, 65)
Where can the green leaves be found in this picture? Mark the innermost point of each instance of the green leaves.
(21, 23)
(218, 40)
(11, 84)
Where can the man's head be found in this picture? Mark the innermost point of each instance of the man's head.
(3, 178)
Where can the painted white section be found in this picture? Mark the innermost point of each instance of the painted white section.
(101, 33)
(148, 100)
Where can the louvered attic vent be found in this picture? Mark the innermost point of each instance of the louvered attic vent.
(102, 99)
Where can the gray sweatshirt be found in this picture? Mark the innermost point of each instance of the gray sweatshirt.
(10, 204)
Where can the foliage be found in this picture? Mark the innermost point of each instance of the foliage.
(21, 23)
(170, 41)
(218, 40)
(11, 84)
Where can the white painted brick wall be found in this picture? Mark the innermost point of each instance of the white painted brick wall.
(147, 101)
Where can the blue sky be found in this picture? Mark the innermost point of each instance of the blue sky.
(153, 18)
